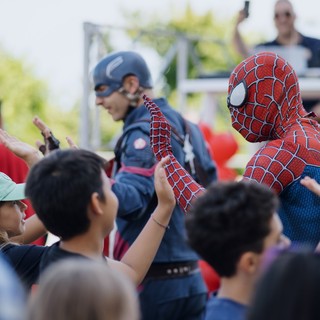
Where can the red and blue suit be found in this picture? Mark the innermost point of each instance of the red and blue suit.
(265, 103)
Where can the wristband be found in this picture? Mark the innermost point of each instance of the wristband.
(160, 224)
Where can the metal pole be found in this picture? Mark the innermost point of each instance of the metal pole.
(96, 129)
(182, 70)
(84, 111)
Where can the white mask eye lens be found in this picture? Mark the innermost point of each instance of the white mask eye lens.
(238, 95)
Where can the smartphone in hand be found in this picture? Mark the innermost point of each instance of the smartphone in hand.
(246, 8)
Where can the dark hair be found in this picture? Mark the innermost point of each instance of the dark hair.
(60, 187)
(230, 218)
(289, 289)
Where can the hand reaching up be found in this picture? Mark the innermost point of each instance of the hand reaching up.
(71, 143)
(21, 149)
(50, 141)
(311, 184)
(163, 189)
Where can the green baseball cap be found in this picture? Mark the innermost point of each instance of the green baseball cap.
(9, 190)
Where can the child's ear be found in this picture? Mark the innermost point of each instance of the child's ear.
(95, 204)
(249, 262)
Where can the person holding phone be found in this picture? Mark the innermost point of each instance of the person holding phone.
(246, 8)
(287, 35)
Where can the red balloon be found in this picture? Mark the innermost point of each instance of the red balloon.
(210, 277)
(224, 146)
(206, 130)
(221, 146)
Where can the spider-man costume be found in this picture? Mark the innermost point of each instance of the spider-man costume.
(265, 103)
(184, 186)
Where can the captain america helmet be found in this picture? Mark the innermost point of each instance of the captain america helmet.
(114, 67)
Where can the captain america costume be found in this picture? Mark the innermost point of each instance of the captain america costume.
(173, 287)
(265, 103)
(183, 291)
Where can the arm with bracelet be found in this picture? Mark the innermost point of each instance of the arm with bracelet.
(137, 260)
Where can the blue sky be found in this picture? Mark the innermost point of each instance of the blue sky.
(49, 34)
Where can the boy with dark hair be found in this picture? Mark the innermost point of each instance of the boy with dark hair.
(73, 198)
(230, 226)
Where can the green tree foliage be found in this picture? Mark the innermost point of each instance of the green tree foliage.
(208, 41)
(210, 51)
(23, 96)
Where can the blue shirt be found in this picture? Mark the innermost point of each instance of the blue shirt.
(224, 309)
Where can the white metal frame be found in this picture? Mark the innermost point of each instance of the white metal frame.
(89, 136)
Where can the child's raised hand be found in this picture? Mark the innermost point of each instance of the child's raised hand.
(163, 189)
(311, 184)
(21, 149)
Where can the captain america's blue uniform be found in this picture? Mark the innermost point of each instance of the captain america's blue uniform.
(173, 288)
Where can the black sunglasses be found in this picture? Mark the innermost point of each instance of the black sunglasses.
(287, 14)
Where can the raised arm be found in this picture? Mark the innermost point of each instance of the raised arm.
(21, 149)
(34, 229)
(50, 141)
(185, 188)
(141, 253)
(237, 39)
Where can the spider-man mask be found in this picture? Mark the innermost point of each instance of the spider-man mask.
(264, 97)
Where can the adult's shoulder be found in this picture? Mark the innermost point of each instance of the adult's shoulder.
(15, 251)
(308, 39)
